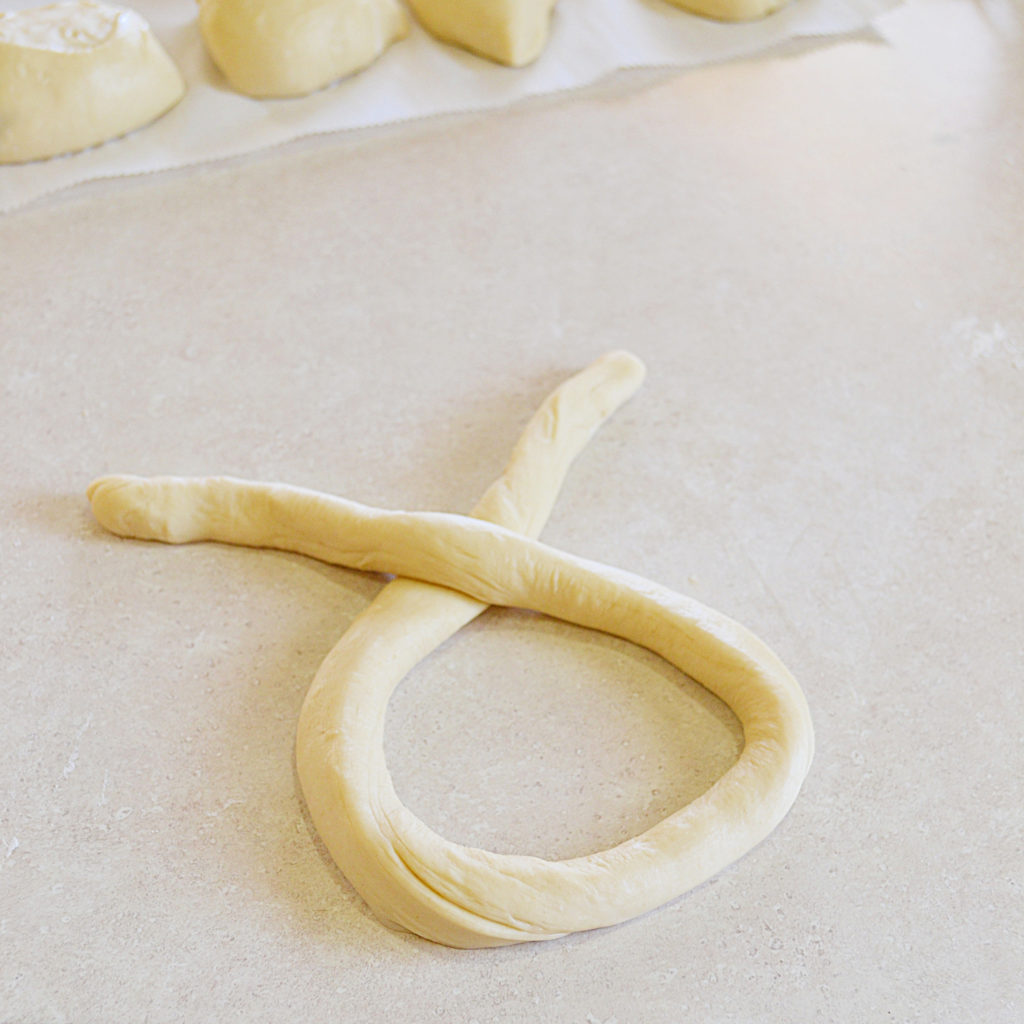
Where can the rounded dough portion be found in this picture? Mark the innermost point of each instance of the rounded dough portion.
(74, 75)
(281, 48)
(507, 31)
(452, 567)
(731, 10)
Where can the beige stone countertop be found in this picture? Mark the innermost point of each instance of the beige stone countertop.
(820, 258)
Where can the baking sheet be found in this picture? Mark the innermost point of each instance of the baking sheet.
(417, 77)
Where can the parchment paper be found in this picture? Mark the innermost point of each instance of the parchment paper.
(416, 77)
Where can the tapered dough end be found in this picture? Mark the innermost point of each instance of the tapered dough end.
(287, 48)
(100, 489)
(618, 376)
(74, 75)
(629, 365)
(113, 501)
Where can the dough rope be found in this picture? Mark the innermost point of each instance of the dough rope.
(452, 567)
(278, 48)
(77, 74)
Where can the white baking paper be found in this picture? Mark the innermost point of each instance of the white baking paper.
(416, 77)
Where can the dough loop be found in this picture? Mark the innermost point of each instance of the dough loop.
(452, 567)
(73, 75)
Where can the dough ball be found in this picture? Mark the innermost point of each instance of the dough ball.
(731, 10)
(273, 48)
(508, 31)
(76, 74)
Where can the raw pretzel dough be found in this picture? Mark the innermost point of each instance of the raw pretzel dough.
(731, 10)
(76, 74)
(294, 47)
(410, 876)
(509, 31)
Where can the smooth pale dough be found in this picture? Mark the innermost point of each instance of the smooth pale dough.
(412, 877)
(74, 75)
(508, 31)
(277, 48)
(731, 10)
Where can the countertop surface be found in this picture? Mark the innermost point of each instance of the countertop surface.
(819, 257)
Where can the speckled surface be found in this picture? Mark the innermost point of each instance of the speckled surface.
(819, 258)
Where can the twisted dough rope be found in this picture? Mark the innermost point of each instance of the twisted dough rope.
(412, 877)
